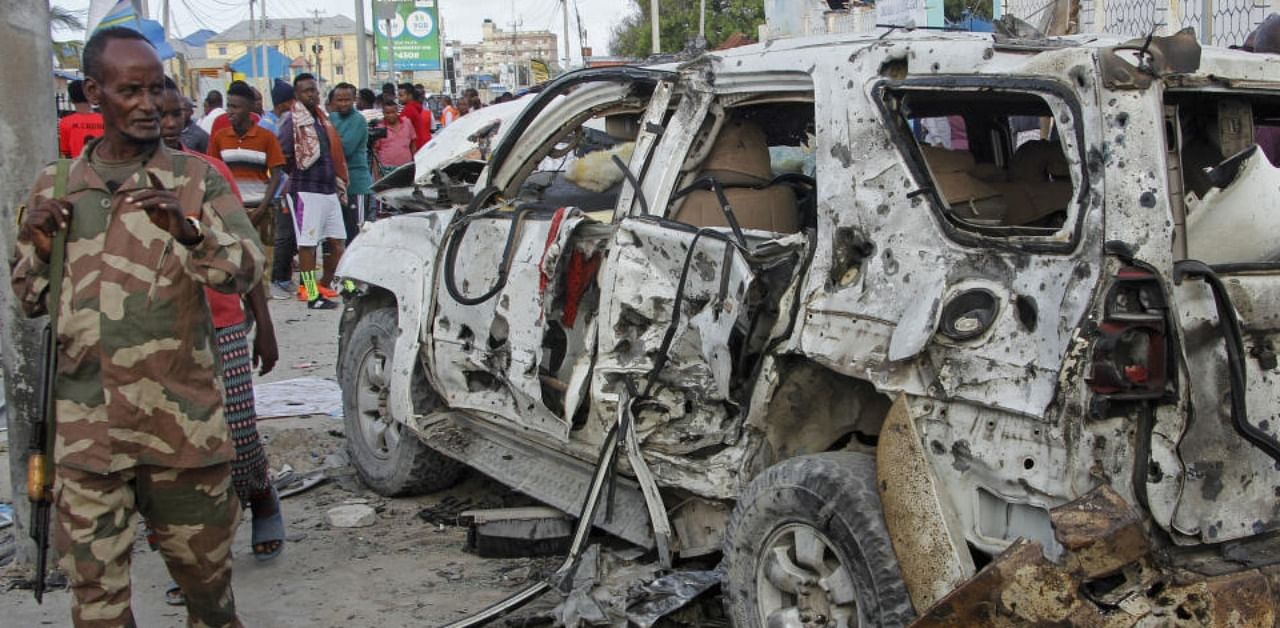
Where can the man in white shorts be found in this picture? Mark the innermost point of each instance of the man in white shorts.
(317, 181)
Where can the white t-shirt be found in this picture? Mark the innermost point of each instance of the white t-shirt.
(206, 122)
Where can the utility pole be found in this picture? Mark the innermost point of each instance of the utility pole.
(362, 54)
(565, 33)
(702, 24)
(317, 48)
(513, 49)
(653, 15)
(266, 66)
(253, 44)
(284, 47)
(29, 126)
(391, 55)
(582, 34)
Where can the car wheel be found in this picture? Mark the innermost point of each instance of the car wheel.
(387, 455)
(807, 546)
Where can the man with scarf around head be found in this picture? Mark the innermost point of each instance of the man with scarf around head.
(317, 184)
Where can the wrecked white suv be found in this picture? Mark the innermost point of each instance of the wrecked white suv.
(957, 328)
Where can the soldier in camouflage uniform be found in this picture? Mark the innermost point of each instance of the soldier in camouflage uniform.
(139, 402)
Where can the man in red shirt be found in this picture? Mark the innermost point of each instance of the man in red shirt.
(413, 110)
(224, 121)
(255, 158)
(75, 130)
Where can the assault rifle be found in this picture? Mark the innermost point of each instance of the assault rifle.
(40, 452)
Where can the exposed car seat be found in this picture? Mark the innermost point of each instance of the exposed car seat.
(1037, 185)
(1043, 179)
(740, 157)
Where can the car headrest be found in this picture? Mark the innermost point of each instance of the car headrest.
(1039, 160)
(740, 154)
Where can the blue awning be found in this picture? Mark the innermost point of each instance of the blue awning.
(277, 63)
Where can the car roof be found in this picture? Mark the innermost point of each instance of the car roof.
(969, 53)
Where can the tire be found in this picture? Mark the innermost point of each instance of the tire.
(818, 510)
(387, 455)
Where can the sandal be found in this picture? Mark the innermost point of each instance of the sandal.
(269, 531)
(173, 595)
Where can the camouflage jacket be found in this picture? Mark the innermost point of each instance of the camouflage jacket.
(137, 380)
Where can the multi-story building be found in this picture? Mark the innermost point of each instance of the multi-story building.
(506, 54)
(299, 39)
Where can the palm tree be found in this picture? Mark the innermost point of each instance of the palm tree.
(65, 19)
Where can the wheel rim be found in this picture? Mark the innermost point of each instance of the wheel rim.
(380, 433)
(802, 581)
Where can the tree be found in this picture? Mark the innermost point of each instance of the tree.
(678, 24)
(65, 19)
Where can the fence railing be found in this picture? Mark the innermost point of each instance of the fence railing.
(1217, 22)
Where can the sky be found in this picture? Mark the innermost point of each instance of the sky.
(461, 18)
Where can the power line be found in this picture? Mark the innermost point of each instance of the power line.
(201, 19)
(194, 16)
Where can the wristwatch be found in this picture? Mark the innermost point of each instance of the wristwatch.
(198, 228)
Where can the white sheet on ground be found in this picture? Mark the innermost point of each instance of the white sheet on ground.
(298, 397)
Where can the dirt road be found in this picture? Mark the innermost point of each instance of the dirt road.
(401, 571)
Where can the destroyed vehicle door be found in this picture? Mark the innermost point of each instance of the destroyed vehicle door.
(1226, 295)
(487, 333)
(692, 299)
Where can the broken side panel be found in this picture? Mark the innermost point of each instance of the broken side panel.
(692, 409)
(1226, 312)
(963, 265)
(1231, 484)
(486, 355)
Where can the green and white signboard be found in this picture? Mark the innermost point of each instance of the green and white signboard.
(410, 29)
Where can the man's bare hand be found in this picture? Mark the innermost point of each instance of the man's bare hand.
(258, 213)
(42, 223)
(163, 209)
(265, 351)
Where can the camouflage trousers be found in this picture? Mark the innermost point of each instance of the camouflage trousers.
(193, 513)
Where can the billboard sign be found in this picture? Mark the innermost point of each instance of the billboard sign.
(410, 29)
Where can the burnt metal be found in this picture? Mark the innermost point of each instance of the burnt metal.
(1178, 53)
(1106, 577)
(1233, 339)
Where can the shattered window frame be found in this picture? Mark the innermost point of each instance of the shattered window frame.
(1066, 110)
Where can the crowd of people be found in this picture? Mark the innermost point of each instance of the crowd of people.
(179, 229)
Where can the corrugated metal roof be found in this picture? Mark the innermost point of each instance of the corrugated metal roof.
(294, 26)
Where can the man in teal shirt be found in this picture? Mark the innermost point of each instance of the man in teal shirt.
(354, 132)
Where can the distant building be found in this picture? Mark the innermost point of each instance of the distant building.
(608, 62)
(506, 54)
(297, 37)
